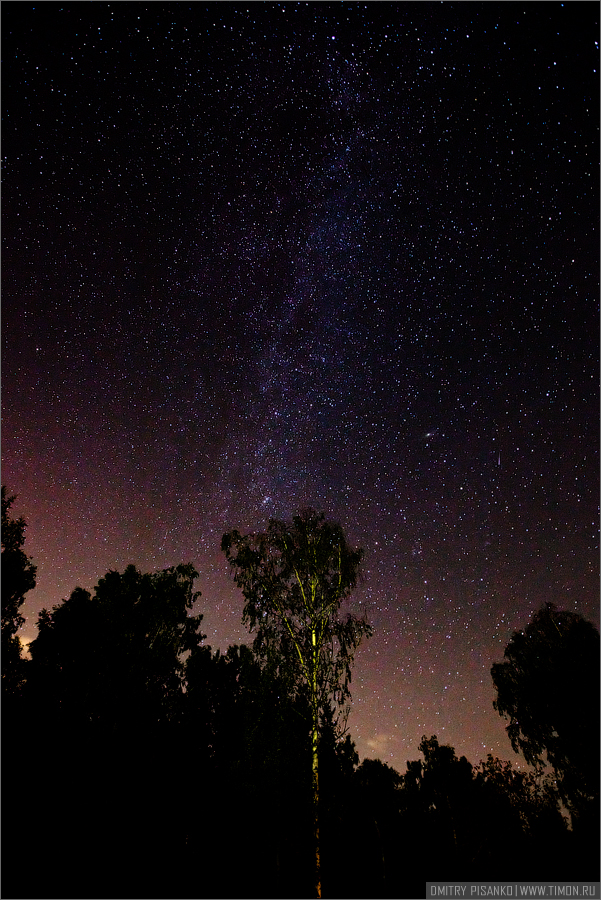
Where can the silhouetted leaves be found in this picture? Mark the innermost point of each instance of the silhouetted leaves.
(294, 579)
(18, 577)
(141, 753)
(113, 661)
(248, 737)
(100, 743)
(548, 688)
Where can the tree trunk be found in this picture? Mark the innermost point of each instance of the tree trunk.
(316, 810)
(315, 751)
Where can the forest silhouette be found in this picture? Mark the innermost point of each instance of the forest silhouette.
(139, 762)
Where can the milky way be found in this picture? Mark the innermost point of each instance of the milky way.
(286, 255)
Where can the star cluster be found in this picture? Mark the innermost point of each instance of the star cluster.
(264, 257)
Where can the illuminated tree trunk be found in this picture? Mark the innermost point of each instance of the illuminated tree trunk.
(316, 813)
(315, 761)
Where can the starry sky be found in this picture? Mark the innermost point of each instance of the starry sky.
(265, 256)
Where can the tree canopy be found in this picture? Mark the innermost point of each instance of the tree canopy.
(117, 657)
(294, 578)
(18, 577)
(548, 689)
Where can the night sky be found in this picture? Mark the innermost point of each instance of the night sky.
(259, 257)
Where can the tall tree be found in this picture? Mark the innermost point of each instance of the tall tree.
(548, 688)
(294, 578)
(18, 577)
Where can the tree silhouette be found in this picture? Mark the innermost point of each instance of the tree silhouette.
(294, 579)
(18, 577)
(249, 740)
(105, 696)
(548, 688)
(518, 817)
(439, 793)
(379, 801)
(114, 660)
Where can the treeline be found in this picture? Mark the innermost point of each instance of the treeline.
(138, 762)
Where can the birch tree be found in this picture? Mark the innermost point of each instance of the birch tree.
(294, 578)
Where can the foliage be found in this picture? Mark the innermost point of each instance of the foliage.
(438, 793)
(18, 577)
(548, 688)
(104, 702)
(377, 793)
(530, 797)
(248, 738)
(238, 710)
(115, 659)
(439, 778)
(157, 749)
(294, 579)
(518, 817)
